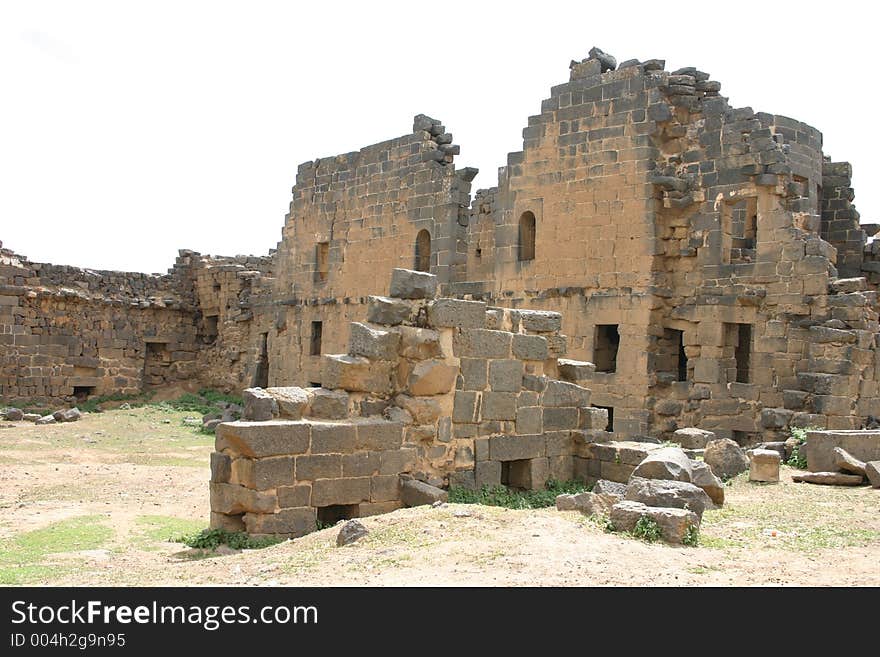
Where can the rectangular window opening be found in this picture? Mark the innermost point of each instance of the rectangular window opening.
(605, 347)
(261, 376)
(610, 409)
(739, 226)
(739, 338)
(317, 336)
(81, 393)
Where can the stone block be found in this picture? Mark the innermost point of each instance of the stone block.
(294, 496)
(431, 377)
(530, 474)
(864, 445)
(514, 448)
(379, 436)
(726, 458)
(456, 313)
(375, 344)
(229, 523)
(333, 438)
(530, 347)
(466, 406)
(706, 479)
(529, 420)
(419, 343)
(356, 373)
(563, 393)
(292, 401)
(482, 343)
(389, 312)
(575, 370)
(505, 375)
(872, 470)
(292, 522)
(221, 468)
(418, 493)
(384, 488)
(262, 439)
(673, 523)
(487, 473)
(587, 503)
(692, 438)
(481, 449)
(424, 410)
(329, 404)
(273, 472)
(259, 405)
(367, 509)
(558, 419)
(540, 321)
(591, 418)
(620, 472)
(331, 492)
(764, 465)
(498, 406)
(561, 467)
(829, 478)
(463, 479)
(474, 373)
(318, 466)
(232, 499)
(409, 284)
(362, 464)
(397, 461)
(668, 493)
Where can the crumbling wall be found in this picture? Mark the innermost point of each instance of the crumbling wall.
(840, 219)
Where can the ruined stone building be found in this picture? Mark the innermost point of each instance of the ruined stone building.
(707, 260)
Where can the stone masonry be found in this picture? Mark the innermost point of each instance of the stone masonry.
(705, 262)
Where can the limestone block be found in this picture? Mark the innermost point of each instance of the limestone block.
(764, 465)
(390, 312)
(431, 377)
(356, 373)
(541, 321)
(410, 284)
(575, 370)
(667, 463)
(419, 343)
(292, 401)
(424, 410)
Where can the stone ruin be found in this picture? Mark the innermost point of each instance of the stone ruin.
(706, 263)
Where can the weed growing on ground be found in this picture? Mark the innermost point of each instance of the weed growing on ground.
(647, 529)
(211, 539)
(691, 536)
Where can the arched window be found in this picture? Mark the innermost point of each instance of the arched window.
(527, 236)
(423, 251)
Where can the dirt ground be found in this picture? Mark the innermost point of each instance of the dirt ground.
(96, 502)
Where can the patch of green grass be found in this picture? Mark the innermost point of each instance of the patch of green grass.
(92, 405)
(211, 539)
(22, 557)
(691, 536)
(159, 529)
(213, 397)
(797, 459)
(516, 499)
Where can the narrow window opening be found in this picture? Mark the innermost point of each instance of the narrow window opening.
(682, 357)
(739, 226)
(423, 251)
(261, 376)
(317, 336)
(605, 347)
(322, 260)
(81, 393)
(527, 236)
(610, 409)
(743, 353)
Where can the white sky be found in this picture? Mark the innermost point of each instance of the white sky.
(131, 129)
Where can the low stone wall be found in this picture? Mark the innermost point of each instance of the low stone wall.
(863, 445)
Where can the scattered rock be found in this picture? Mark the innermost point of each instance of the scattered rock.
(692, 438)
(259, 405)
(409, 284)
(608, 62)
(329, 404)
(588, 503)
(666, 463)
(829, 478)
(764, 465)
(417, 493)
(67, 415)
(46, 419)
(775, 446)
(125, 406)
(872, 470)
(673, 523)
(211, 425)
(846, 462)
(668, 493)
(13, 414)
(605, 487)
(351, 531)
(31, 417)
(790, 444)
(461, 513)
(726, 458)
(292, 401)
(706, 479)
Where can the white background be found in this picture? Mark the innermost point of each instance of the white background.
(131, 129)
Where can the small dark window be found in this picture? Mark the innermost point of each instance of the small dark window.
(423, 251)
(743, 352)
(605, 347)
(682, 358)
(216, 287)
(81, 393)
(322, 260)
(527, 236)
(479, 253)
(317, 336)
(330, 515)
(610, 425)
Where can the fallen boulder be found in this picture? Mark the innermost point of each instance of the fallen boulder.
(706, 479)
(418, 493)
(13, 414)
(673, 523)
(588, 503)
(846, 462)
(872, 471)
(829, 478)
(667, 493)
(46, 419)
(666, 463)
(351, 531)
(692, 438)
(605, 487)
(726, 458)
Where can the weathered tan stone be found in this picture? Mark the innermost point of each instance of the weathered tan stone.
(356, 373)
(764, 465)
(431, 377)
(673, 523)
